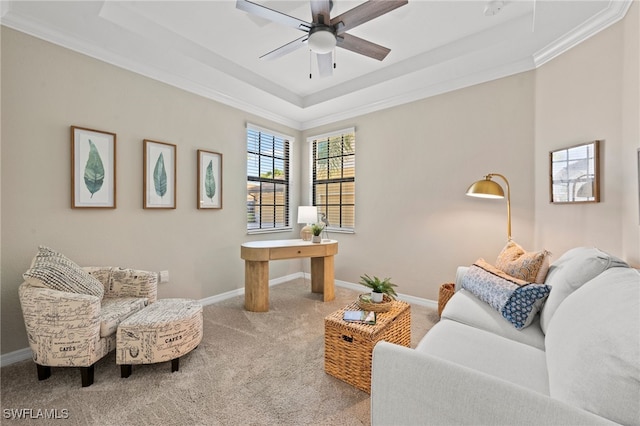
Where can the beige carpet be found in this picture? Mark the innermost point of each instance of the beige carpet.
(250, 369)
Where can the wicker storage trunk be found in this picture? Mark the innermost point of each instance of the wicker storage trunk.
(348, 345)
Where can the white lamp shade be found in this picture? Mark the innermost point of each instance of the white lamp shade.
(307, 214)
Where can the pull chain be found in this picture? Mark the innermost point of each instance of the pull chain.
(310, 65)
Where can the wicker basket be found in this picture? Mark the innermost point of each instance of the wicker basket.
(383, 306)
(348, 345)
(447, 290)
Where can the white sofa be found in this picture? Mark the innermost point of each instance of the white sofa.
(578, 363)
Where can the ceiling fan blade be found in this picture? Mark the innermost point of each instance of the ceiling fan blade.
(325, 64)
(286, 49)
(363, 47)
(320, 10)
(272, 15)
(364, 12)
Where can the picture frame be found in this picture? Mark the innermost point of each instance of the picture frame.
(209, 180)
(93, 168)
(159, 175)
(574, 174)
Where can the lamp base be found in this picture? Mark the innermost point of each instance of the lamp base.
(306, 233)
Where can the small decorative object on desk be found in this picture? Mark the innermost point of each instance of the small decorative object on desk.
(316, 229)
(366, 304)
(378, 287)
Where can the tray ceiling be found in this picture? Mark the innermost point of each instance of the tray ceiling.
(213, 49)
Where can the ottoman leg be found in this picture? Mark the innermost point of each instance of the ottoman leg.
(44, 372)
(86, 374)
(175, 364)
(125, 370)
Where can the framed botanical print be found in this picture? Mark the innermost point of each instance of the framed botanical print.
(209, 180)
(574, 174)
(159, 171)
(93, 168)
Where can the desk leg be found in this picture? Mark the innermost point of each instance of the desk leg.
(322, 280)
(256, 286)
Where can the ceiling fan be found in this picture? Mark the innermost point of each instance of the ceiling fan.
(324, 33)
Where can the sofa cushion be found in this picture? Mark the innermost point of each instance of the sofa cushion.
(483, 351)
(518, 263)
(55, 271)
(593, 347)
(467, 309)
(115, 310)
(516, 300)
(569, 272)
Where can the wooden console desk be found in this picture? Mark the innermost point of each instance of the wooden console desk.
(257, 254)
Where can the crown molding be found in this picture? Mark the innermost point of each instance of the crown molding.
(616, 10)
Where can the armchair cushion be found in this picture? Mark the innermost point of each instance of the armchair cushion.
(54, 270)
(115, 310)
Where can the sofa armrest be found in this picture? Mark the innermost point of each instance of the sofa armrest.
(460, 272)
(411, 387)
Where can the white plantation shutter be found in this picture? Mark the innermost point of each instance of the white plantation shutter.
(267, 179)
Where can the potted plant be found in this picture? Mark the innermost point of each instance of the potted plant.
(316, 229)
(379, 287)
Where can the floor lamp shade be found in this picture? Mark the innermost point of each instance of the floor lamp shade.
(487, 188)
(307, 215)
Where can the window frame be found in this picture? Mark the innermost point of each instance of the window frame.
(312, 140)
(288, 142)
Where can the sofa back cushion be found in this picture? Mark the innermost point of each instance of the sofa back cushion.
(593, 347)
(570, 272)
(55, 271)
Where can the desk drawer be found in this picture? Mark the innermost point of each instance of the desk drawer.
(299, 251)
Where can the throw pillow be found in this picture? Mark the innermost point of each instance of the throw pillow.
(528, 266)
(516, 300)
(55, 271)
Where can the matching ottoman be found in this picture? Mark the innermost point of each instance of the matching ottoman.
(163, 331)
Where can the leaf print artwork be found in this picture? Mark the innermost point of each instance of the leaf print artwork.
(210, 182)
(93, 170)
(160, 177)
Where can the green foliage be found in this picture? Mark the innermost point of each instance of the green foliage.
(210, 181)
(317, 228)
(379, 286)
(94, 170)
(275, 174)
(160, 177)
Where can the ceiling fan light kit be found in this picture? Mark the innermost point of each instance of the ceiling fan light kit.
(321, 39)
(324, 33)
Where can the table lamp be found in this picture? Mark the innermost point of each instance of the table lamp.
(487, 188)
(307, 215)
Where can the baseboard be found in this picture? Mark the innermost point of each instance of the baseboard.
(15, 356)
(240, 291)
(404, 297)
(23, 354)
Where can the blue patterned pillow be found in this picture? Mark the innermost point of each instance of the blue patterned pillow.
(518, 301)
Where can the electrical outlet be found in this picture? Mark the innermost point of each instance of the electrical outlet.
(164, 277)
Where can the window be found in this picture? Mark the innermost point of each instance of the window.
(267, 180)
(333, 178)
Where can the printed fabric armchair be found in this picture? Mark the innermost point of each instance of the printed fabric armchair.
(72, 313)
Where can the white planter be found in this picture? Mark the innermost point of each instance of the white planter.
(316, 239)
(376, 297)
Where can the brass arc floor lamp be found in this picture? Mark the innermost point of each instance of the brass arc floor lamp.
(486, 188)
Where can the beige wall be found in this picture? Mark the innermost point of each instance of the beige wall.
(589, 93)
(414, 163)
(45, 89)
